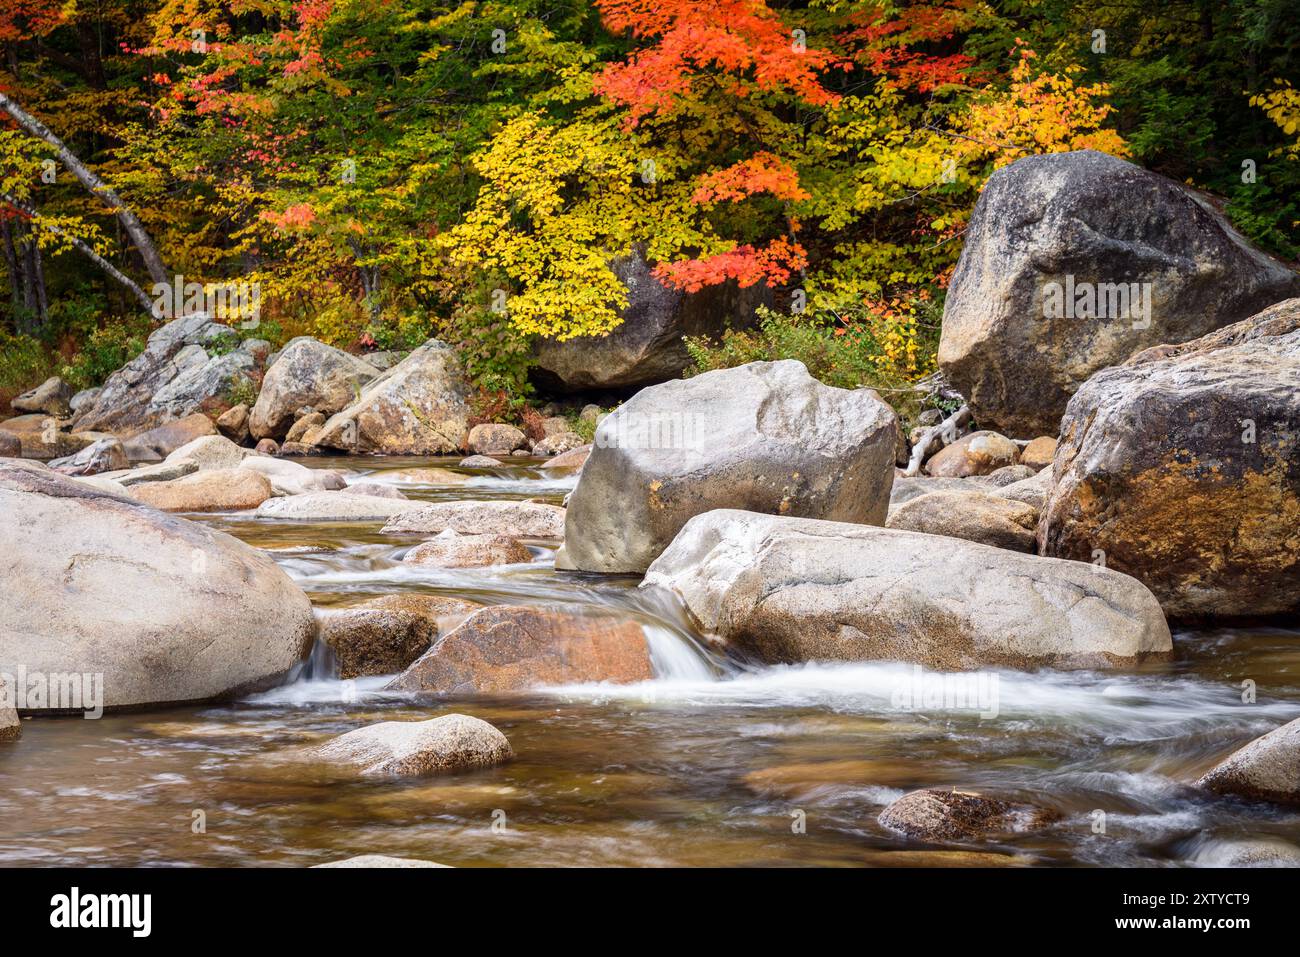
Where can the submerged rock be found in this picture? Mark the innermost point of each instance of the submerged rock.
(453, 550)
(1266, 769)
(1182, 468)
(335, 507)
(765, 436)
(165, 609)
(791, 590)
(937, 814)
(515, 519)
(454, 742)
(1068, 219)
(379, 861)
(516, 647)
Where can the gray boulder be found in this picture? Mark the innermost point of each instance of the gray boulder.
(765, 436)
(418, 407)
(454, 742)
(1182, 468)
(973, 515)
(1070, 219)
(791, 590)
(306, 372)
(166, 610)
(647, 347)
(104, 455)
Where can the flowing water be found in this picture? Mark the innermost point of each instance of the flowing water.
(711, 763)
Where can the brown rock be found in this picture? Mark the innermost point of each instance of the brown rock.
(160, 442)
(937, 814)
(1039, 453)
(211, 490)
(298, 448)
(1182, 468)
(375, 641)
(494, 439)
(513, 647)
(11, 447)
(1008, 475)
(979, 453)
(975, 516)
(558, 443)
(268, 447)
(572, 459)
(453, 550)
(10, 727)
(555, 425)
(51, 397)
(233, 423)
(453, 742)
(300, 428)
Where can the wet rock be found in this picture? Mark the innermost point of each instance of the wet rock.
(494, 439)
(158, 443)
(1182, 467)
(443, 611)
(513, 647)
(646, 347)
(209, 490)
(418, 407)
(53, 397)
(558, 444)
(105, 455)
(978, 453)
(765, 436)
(1038, 454)
(791, 590)
(515, 519)
(453, 550)
(375, 641)
(479, 462)
(335, 507)
(167, 610)
(1068, 217)
(379, 861)
(453, 742)
(302, 426)
(1259, 852)
(941, 815)
(300, 449)
(427, 476)
(307, 373)
(572, 459)
(1266, 769)
(976, 516)
(233, 423)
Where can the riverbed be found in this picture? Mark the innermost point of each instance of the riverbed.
(713, 762)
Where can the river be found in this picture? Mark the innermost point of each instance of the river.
(714, 762)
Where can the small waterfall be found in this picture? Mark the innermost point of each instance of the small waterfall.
(675, 657)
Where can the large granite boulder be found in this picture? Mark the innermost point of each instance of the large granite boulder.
(516, 647)
(309, 373)
(766, 436)
(166, 610)
(791, 590)
(418, 407)
(180, 368)
(1182, 468)
(1018, 346)
(647, 347)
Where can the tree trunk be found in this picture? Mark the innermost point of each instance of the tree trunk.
(134, 228)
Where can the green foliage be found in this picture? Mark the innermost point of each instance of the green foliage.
(24, 362)
(243, 391)
(495, 355)
(105, 350)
